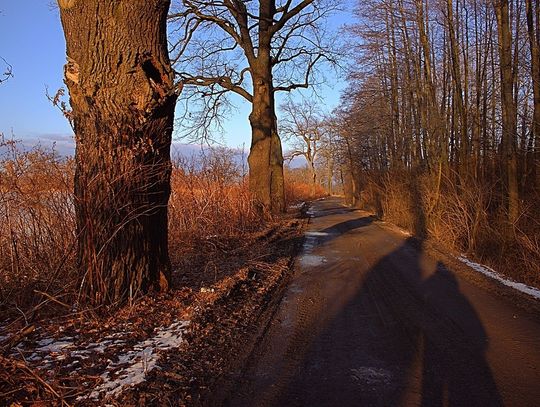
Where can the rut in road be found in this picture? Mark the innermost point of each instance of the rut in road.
(373, 318)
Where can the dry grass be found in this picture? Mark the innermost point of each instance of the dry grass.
(465, 216)
(210, 197)
(298, 190)
(37, 227)
(210, 211)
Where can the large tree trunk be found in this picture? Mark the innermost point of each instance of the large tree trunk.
(509, 111)
(265, 159)
(121, 92)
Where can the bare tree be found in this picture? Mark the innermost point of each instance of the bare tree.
(8, 69)
(533, 29)
(303, 127)
(122, 94)
(253, 49)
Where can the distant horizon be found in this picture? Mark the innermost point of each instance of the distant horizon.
(64, 145)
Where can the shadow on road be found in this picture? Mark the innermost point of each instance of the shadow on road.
(398, 331)
(455, 342)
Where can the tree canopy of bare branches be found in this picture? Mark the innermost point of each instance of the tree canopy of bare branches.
(253, 49)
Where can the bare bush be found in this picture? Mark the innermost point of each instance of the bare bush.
(210, 199)
(37, 231)
(299, 186)
(210, 209)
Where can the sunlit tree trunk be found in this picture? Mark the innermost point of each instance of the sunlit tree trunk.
(121, 91)
(266, 157)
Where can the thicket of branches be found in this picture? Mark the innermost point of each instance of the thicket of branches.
(440, 124)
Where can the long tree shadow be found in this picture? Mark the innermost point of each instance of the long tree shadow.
(328, 234)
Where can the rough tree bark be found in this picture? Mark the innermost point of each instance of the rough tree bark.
(121, 91)
(266, 180)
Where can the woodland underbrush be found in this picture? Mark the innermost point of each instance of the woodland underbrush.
(466, 216)
(210, 211)
(298, 189)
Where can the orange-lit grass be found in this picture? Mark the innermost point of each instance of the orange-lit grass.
(467, 217)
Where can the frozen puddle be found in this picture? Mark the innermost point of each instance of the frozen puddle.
(533, 292)
(317, 234)
(313, 239)
(133, 366)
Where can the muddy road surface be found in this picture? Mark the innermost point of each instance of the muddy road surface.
(374, 318)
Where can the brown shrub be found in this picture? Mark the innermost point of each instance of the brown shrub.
(297, 189)
(210, 202)
(210, 199)
(210, 206)
(37, 228)
(464, 215)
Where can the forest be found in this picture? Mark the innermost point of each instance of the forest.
(439, 126)
(133, 275)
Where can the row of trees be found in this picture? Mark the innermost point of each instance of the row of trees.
(123, 86)
(450, 87)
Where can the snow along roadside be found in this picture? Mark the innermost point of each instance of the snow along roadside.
(533, 292)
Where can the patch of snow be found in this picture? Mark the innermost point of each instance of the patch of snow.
(533, 292)
(207, 290)
(371, 375)
(310, 243)
(50, 345)
(133, 366)
(311, 260)
(297, 206)
(45, 342)
(295, 289)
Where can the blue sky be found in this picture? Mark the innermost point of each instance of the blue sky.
(33, 43)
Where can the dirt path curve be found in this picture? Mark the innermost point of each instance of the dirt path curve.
(371, 319)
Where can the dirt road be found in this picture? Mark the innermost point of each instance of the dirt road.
(372, 319)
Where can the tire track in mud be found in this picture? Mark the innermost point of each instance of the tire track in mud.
(304, 331)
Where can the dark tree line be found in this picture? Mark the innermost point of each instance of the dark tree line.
(440, 122)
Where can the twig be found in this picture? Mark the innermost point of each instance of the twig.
(53, 299)
(22, 366)
(19, 336)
